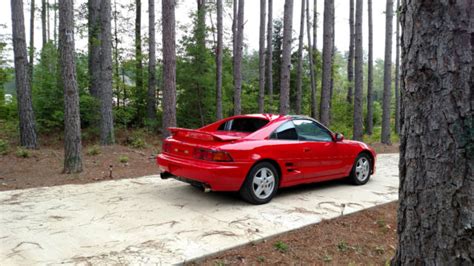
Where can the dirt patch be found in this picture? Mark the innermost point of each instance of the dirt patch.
(364, 238)
(384, 148)
(43, 167)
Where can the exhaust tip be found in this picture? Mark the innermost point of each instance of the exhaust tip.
(206, 188)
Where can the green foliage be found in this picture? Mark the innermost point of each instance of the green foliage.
(22, 153)
(261, 259)
(136, 140)
(93, 151)
(342, 246)
(123, 159)
(281, 246)
(4, 147)
(47, 94)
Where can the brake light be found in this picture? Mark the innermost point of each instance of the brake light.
(212, 155)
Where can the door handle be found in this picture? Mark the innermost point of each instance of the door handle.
(306, 149)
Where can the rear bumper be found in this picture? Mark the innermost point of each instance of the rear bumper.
(218, 176)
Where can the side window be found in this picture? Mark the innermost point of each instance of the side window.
(310, 130)
(286, 131)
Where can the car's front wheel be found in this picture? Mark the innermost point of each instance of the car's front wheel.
(261, 184)
(360, 173)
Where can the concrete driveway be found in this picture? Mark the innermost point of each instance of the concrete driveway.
(152, 221)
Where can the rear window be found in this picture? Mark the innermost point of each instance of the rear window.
(243, 125)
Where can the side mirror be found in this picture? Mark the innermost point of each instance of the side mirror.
(339, 137)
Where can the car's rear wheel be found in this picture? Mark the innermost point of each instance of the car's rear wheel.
(261, 184)
(360, 173)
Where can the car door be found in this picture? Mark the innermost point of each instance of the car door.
(288, 151)
(321, 153)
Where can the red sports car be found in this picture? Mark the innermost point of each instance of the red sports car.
(257, 154)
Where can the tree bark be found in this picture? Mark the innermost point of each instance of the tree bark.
(312, 65)
(397, 71)
(261, 58)
(315, 23)
(299, 83)
(436, 207)
(43, 22)
(269, 64)
(139, 57)
(32, 40)
(387, 74)
(169, 65)
(350, 59)
(328, 30)
(106, 115)
(239, 38)
(23, 85)
(286, 58)
(200, 36)
(72, 121)
(48, 24)
(370, 100)
(116, 56)
(220, 34)
(359, 79)
(94, 47)
(151, 97)
(55, 30)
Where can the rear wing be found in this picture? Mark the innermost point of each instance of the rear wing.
(184, 133)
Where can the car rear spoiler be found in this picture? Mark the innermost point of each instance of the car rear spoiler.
(200, 135)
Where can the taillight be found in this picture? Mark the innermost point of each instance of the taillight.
(166, 147)
(211, 155)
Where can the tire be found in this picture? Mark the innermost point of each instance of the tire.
(360, 173)
(261, 184)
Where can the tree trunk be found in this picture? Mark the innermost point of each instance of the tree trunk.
(43, 21)
(72, 121)
(151, 97)
(312, 65)
(315, 23)
(23, 85)
(48, 26)
(140, 97)
(359, 79)
(94, 47)
(286, 58)
(55, 25)
(220, 34)
(32, 40)
(239, 38)
(169, 65)
(397, 72)
(350, 59)
(370, 113)
(436, 208)
(116, 56)
(299, 83)
(200, 36)
(106, 94)
(387, 74)
(328, 30)
(261, 59)
(269, 64)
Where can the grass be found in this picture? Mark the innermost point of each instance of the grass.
(123, 159)
(342, 246)
(22, 153)
(4, 147)
(281, 246)
(94, 150)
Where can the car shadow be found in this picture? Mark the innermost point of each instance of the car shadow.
(189, 196)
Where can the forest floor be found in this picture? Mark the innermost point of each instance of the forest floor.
(367, 237)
